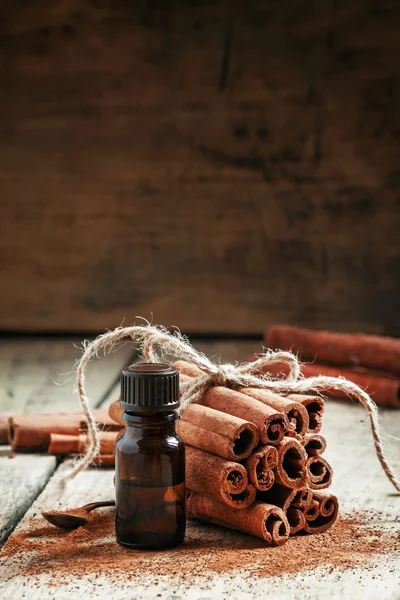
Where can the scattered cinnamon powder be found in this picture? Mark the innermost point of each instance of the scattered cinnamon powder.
(355, 540)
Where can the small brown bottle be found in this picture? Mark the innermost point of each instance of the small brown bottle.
(150, 460)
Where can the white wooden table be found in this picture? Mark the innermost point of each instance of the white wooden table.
(36, 376)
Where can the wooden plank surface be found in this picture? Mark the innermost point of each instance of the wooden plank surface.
(359, 483)
(219, 165)
(29, 373)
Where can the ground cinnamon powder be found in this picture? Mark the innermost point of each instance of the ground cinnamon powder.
(355, 540)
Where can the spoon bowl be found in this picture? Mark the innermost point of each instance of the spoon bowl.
(65, 520)
(75, 517)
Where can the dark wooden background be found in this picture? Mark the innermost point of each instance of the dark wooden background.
(222, 165)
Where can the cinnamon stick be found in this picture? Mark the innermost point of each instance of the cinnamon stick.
(372, 351)
(244, 436)
(224, 480)
(323, 516)
(62, 444)
(296, 519)
(265, 521)
(259, 467)
(320, 473)
(384, 390)
(295, 413)
(31, 433)
(314, 406)
(271, 423)
(291, 470)
(284, 497)
(314, 444)
(212, 442)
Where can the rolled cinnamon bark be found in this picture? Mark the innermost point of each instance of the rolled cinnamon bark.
(259, 467)
(271, 423)
(295, 413)
(383, 387)
(296, 519)
(61, 444)
(224, 480)
(311, 512)
(314, 406)
(302, 499)
(265, 521)
(244, 435)
(372, 351)
(212, 442)
(314, 444)
(385, 390)
(320, 473)
(31, 433)
(284, 497)
(291, 470)
(327, 512)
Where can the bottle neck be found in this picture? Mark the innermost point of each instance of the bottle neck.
(149, 425)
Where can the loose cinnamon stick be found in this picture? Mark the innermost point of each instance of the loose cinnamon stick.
(326, 513)
(62, 444)
(383, 387)
(296, 414)
(265, 521)
(320, 473)
(384, 390)
(372, 351)
(224, 480)
(291, 470)
(31, 433)
(259, 467)
(314, 444)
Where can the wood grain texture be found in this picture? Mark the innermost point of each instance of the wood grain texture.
(359, 482)
(221, 166)
(29, 370)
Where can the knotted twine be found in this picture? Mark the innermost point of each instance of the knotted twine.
(155, 342)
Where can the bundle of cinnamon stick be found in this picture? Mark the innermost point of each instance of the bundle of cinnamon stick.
(253, 460)
(59, 434)
(370, 361)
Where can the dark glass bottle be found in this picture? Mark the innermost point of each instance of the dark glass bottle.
(150, 460)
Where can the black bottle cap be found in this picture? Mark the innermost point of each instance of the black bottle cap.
(149, 388)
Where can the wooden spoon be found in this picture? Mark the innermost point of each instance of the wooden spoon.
(75, 517)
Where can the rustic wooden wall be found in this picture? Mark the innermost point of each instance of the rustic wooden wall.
(220, 164)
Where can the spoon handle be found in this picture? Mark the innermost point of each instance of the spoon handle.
(93, 505)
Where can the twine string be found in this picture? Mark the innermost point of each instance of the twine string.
(155, 343)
